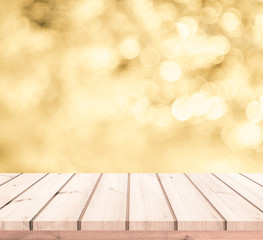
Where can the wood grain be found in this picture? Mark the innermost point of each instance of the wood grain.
(107, 209)
(192, 210)
(239, 213)
(13, 188)
(148, 207)
(63, 212)
(245, 187)
(4, 177)
(18, 213)
(257, 177)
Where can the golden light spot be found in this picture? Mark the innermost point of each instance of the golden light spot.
(250, 135)
(102, 58)
(182, 30)
(139, 103)
(244, 135)
(182, 109)
(150, 89)
(84, 11)
(191, 24)
(226, 89)
(217, 108)
(201, 103)
(170, 71)
(218, 45)
(129, 48)
(230, 21)
(254, 112)
(259, 21)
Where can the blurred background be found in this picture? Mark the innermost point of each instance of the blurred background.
(131, 86)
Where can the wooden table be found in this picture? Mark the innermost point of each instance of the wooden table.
(131, 206)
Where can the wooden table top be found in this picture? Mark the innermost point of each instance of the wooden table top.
(135, 201)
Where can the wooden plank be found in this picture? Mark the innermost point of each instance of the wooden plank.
(148, 207)
(245, 187)
(132, 235)
(4, 177)
(18, 213)
(192, 210)
(63, 212)
(107, 208)
(257, 177)
(239, 213)
(13, 188)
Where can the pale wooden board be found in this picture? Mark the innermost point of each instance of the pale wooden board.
(192, 210)
(11, 189)
(239, 213)
(32, 197)
(63, 212)
(107, 208)
(148, 207)
(245, 187)
(17, 214)
(131, 235)
(257, 177)
(7, 177)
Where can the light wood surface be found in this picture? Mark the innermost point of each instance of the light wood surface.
(190, 207)
(63, 212)
(16, 186)
(148, 206)
(18, 213)
(245, 187)
(121, 202)
(107, 209)
(4, 177)
(257, 177)
(239, 213)
(131, 235)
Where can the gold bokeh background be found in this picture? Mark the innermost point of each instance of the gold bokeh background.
(131, 86)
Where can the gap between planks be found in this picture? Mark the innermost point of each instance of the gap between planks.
(237, 192)
(87, 204)
(253, 180)
(222, 217)
(168, 203)
(127, 227)
(20, 193)
(42, 209)
(18, 174)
